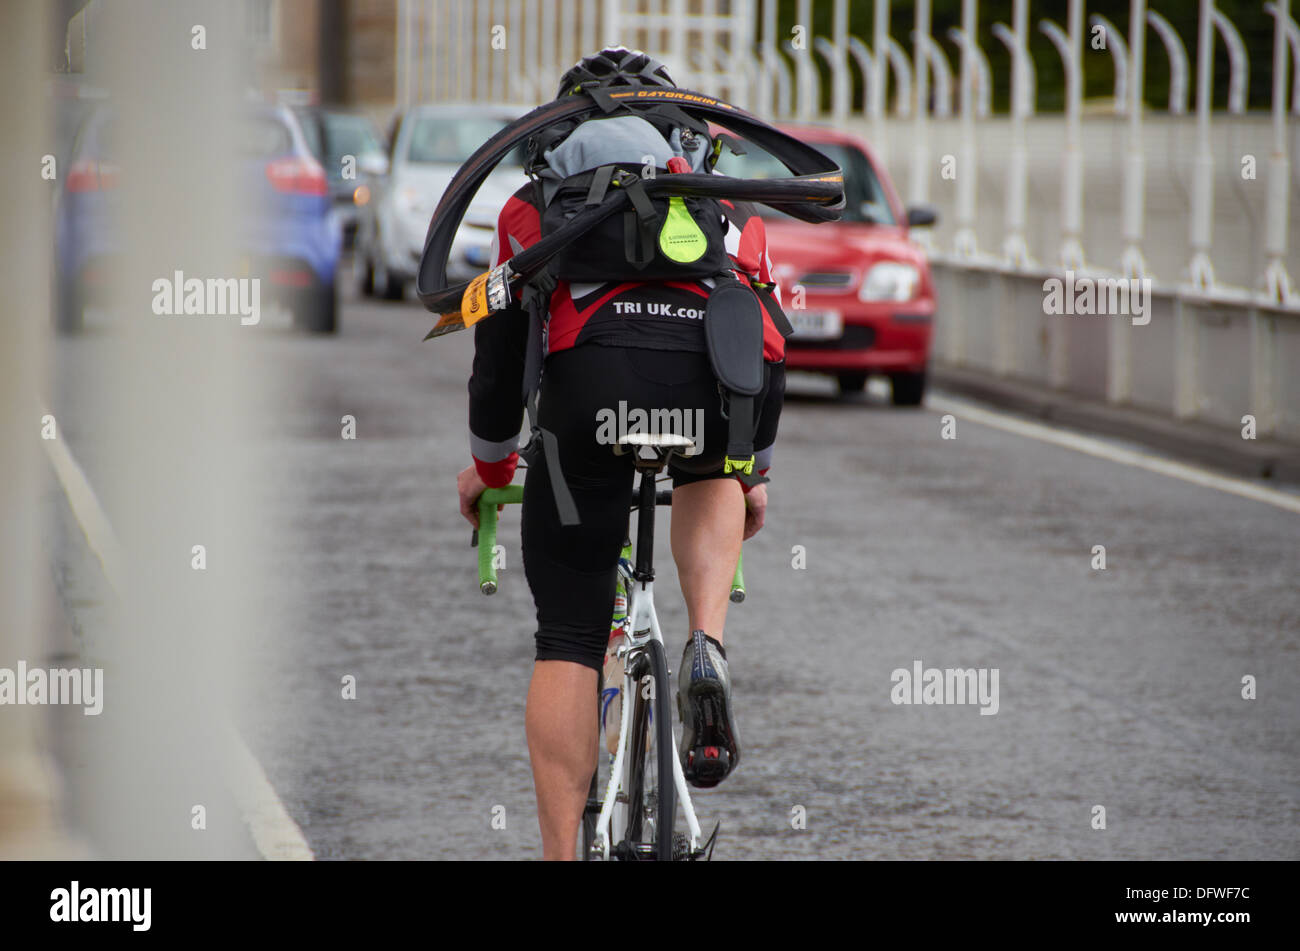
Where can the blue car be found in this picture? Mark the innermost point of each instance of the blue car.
(289, 233)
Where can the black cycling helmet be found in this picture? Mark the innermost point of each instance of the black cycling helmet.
(615, 66)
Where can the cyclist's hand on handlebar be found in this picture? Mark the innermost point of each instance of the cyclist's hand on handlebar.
(469, 487)
(755, 510)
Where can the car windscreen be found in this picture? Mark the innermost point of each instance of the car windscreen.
(452, 139)
(349, 135)
(864, 199)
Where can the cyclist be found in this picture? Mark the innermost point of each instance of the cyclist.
(603, 346)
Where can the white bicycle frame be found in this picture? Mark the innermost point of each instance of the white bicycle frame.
(643, 627)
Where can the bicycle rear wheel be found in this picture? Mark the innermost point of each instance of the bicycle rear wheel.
(652, 797)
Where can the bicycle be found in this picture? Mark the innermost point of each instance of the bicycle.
(635, 818)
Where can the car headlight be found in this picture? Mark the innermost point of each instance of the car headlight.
(890, 280)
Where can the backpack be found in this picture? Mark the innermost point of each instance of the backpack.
(573, 165)
(631, 200)
(658, 239)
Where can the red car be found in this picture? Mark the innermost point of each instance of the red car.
(858, 291)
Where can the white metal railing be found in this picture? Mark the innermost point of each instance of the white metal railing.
(1167, 192)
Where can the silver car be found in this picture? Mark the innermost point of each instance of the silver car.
(429, 145)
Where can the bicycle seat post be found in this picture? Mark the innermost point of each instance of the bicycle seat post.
(650, 453)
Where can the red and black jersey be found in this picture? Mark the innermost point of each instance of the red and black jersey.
(656, 315)
(659, 315)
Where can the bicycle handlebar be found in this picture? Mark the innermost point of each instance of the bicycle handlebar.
(485, 537)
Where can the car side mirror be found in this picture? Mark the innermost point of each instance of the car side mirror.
(921, 216)
(374, 164)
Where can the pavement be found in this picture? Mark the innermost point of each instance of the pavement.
(886, 545)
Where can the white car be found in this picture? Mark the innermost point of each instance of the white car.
(429, 145)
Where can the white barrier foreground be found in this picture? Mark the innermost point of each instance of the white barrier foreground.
(1188, 356)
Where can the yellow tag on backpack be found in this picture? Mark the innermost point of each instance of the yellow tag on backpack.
(680, 239)
(474, 303)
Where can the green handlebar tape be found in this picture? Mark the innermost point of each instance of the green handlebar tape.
(738, 582)
(487, 531)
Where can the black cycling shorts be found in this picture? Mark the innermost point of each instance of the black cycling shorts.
(572, 569)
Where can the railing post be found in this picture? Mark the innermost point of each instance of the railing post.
(1069, 46)
(841, 85)
(920, 184)
(1119, 372)
(1119, 57)
(964, 243)
(1014, 246)
(1238, 61)
(1277, 283)
(1200, 269)
(805, 72)
(1177, 62)
(879, 71)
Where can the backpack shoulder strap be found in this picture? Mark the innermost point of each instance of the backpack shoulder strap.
(542, 447)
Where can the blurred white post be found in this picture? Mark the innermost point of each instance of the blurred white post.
(1132, 263)
(546, 50)
(934, 56)
(983, 75)
(878, 94)
(809, 87)
(902, 77)
(1277, 283)
(30, 815)
(920, 184)
(1069, 46)
(744, 74)
(841, 79)
(1119, 374)
(499, 58)
(611, 23)
(515, 51)
(1118, 50)
(1015, 248)
(483, 51)
(587, 27)
(764, 103)
(1238, 62)
(424, 32)
(568, 31)
(1292, 30)
(532, 49)
(1177, 54)
(1200, 268)
(964, 244)
(405, 36)
(677, 39)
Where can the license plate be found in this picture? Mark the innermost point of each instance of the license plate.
(816, 324)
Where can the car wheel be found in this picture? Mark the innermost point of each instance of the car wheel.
(908, 388)
(851, 383)
(362, 273)
(317, 310)
(385, 285)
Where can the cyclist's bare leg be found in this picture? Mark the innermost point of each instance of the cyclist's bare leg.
(563, 735)
(708, 521)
